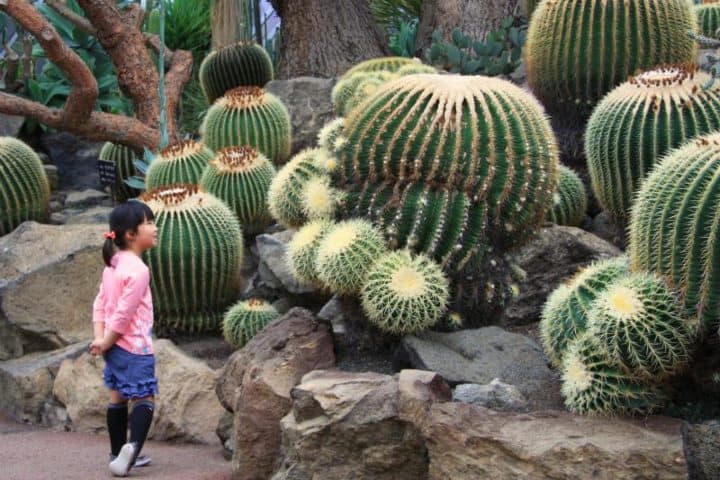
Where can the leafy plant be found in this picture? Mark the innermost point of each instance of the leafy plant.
(403, 38)
(389, 12)
(499, 54)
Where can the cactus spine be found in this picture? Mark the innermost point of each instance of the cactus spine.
(245, 319)
(243, 64)
(182, 162)
(122, 157)
(675, 226)
(577, 51)
(249, 116)
(302, 250)
(639, 122)
(24, 186)
(569, 200)
(405, 294)
(196, 265)
(241, 177)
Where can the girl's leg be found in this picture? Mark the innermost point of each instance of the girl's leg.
(140, 420)
(117, 421)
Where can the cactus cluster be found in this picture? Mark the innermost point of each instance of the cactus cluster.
(182, 162)
(577, 51)
(24, 186)
(245, 319)
(123, 158)
(639, 122)
(196, 265)
(708, 15)
(569, 200)
(242, 64)
(241, 177)
(249, 116)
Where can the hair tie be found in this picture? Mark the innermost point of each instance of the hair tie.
(110, 234)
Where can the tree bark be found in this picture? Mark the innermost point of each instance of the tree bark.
(474, 18)
(228, 22)
(324, 38)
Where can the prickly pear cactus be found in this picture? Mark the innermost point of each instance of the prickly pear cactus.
(569, 200)
(182, 162)
(122, 157)
(245, 319)
(242, 64)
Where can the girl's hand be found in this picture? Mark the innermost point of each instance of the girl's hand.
(99, 346)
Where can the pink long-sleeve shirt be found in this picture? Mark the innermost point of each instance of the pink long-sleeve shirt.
(124, 302)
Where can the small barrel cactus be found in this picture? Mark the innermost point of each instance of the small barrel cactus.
(241, 177)
(346, 254)
(242, 64)
(708, 15)
(639, 122)
(414, 68)
(351, 90)
(182, 162)
(249, 116)
(405, 294)
(569, 200)
(640, 324)
(594, 385)
(388, 64)
(330, 136)
(196, 265)
(675, 226)
(122, 157)
(302, 250)
(24, 186)
(576, 52)
(565, 314)
(245, 319)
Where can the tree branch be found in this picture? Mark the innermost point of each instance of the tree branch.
(78, 20)
(152, 41)
(175, 80)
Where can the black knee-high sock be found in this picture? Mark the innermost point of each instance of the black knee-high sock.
(142, 415)
(117, 421)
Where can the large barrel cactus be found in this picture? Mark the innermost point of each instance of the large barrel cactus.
(675, 226)
(569, 200)
(122, 157)
(639, 122)
(24, 186)
(243, 64)
(577, 51)
(708, 14)
(249, 116)
(182, 162)
(196, 265)
(241, 176)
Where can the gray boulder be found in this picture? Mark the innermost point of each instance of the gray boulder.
(273, 267)
(702, 449)
(496, 395)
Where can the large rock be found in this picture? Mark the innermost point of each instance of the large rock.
(496, 395)
(309, 104)
(49, 276)
(76, 160)
(702, 449)
(10, 125)
(26, 383)
(555, 254)
(481, 355)
(465, 441)
(273, 267)
(186, 408)
(347, 425)
(256, 382)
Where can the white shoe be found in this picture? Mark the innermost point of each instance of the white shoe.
(122, 463)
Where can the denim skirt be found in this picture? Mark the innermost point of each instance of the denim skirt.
(130, 374)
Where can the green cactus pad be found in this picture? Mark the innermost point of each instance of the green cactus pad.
(594, 385)
(249, 116)
(576, 51)
(182, 162)
(243, 64)
(388, 64)
(639, 122)
(565, 314)
(122, 157)
(245, 319)
(241, 177)
(569, 200)
(196, 266)
(675, 226)
(24, 186)
(405, 294)
(302, 250)
(708, 15)
(640, 324)
(346, 254)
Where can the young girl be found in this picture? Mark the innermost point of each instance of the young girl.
(122, 321)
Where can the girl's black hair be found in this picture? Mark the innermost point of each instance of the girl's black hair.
(124, 218)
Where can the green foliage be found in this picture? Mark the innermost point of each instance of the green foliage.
(302, 250)
(403, 38)
(389, 12)
(500, 53)
(196, 265)
(239, 65)
(124, 158)
(638, 122)
(569, 200)
(187, 25)
(245, 319)
(181, 162)
(405, 293)
(24, 187)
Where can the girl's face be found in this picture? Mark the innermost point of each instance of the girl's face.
(145, 238)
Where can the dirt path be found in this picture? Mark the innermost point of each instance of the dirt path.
(28, 453)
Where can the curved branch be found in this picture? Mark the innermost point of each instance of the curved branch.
(175, 80)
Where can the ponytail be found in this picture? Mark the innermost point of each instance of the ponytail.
(108, 250)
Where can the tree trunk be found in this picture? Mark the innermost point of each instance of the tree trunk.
(228, 22)
(324, 38)
(474, 18)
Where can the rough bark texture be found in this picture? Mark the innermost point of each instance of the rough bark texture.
(228, 17)
(323, 38)
(473, 17)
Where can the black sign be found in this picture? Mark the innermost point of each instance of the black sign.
(106, 170)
